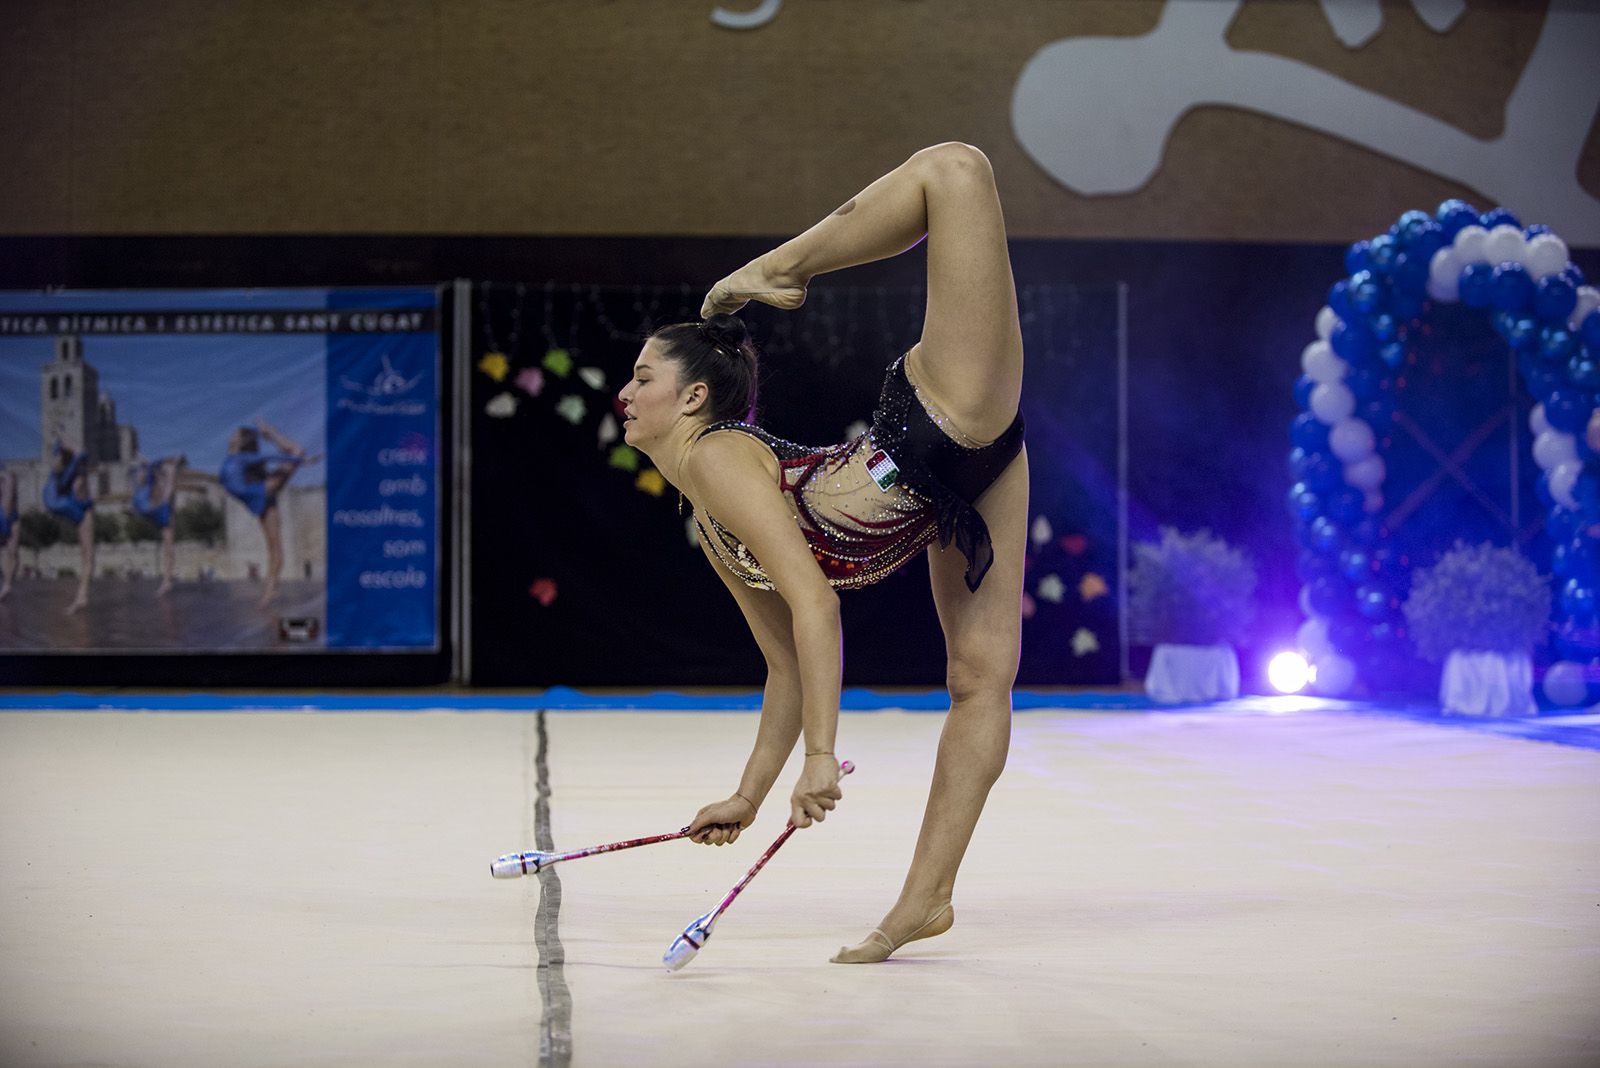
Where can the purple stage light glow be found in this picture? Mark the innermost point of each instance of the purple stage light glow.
(1289, 672)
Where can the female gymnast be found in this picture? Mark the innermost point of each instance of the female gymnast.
(10, 531)
(786, 527)
(256, 478)
(66, 493)
(155, 485)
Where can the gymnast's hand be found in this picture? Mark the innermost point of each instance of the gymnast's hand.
(817, 792)
(720, 822)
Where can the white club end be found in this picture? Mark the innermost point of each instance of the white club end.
(514, 866)
(678, 954)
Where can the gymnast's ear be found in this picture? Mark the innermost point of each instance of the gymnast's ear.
(695, 396)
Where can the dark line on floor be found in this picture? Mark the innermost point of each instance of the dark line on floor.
(555, 1038)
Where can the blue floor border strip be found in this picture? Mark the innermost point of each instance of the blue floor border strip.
(560, 698)
(1573, 728)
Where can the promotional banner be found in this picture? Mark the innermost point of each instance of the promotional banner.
(219, 471)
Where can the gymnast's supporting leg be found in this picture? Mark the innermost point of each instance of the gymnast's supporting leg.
(85, 548)
(166, 494)
(983, 634)
(8, 552)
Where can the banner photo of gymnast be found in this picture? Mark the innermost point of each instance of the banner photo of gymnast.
(189, 471)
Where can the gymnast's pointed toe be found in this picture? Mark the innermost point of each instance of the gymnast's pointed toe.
(875, 949)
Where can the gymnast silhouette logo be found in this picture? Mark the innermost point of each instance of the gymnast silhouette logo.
(1096, 112)
(386, 383)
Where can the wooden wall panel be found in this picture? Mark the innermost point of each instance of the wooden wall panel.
(641, 117)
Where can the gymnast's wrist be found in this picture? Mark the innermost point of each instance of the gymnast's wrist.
(737, 796)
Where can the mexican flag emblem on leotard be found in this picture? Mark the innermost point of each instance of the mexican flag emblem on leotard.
(882, 469)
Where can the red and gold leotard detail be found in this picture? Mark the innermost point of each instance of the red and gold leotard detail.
(869, 505)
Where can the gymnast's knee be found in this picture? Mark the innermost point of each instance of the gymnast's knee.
(982, 678)
(955, 163)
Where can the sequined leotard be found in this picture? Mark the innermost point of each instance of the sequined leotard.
(871, 504)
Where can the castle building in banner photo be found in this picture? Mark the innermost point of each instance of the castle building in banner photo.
(74, 407)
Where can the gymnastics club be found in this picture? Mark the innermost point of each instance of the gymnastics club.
(686, 945)
(516, 865)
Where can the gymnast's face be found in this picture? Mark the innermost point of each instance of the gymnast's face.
(653, 400)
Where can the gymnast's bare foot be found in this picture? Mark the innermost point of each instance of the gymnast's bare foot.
(888, 938)
(165, 588)
(79, 603)
(268, 594)
(756, 280)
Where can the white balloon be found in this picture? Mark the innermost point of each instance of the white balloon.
(1553, 448)
(1366, 474)
(1562, 479)
(1588, 301)
(1565, 684)
(1335, 675)
(1327, 319)
(1444, 267)
(1312, 638)
(1536, 420)
(1372, 504)
(1332, 402)
(1305, 601)
(1505, 244)
(1547, 255)
(1352, 440)
(1469, 245)
(1320, 362)
(1445, 292)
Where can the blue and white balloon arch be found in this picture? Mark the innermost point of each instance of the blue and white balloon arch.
(1537, 301)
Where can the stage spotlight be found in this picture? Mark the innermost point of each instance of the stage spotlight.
(1288, 672)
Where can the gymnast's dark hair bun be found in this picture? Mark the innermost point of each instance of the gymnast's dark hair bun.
(727, 331)
(719, 352)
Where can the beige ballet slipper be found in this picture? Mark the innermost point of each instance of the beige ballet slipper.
(877, 946)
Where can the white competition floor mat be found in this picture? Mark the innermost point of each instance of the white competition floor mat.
(1266, 887)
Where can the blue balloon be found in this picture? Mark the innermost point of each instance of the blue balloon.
(1577, 599)
(1372, 601)
(1557, 344)
(1304, 503)
(1578, 558)
(1453, 215)
(1412, 223)
(1428, 240)
(1583, 372)
(1347, 633)
(1477, 285)
(1344, 506)
(1366, 292)
(1324, 535)
(1561, 524)
(1328, 594)
(1407, 307)
(1339, 300)
(1554, 298)
(1499, 217)
(1355, 257)
(1378, 412)
(1309, 432)
(1362, 381)
(1410, 274)
(1586, 491)
(1350, 341)
(1573, 273)
(1576, 641)
(1302, 390)
(1535, 230)
(1383, 326)
(1392, 354)
(1311, 566)
(1589, 330)
(1356, 564)
(1511, 289)
(1381, 252)
(1543, 381)
(1364, 533)
(1568, 410)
